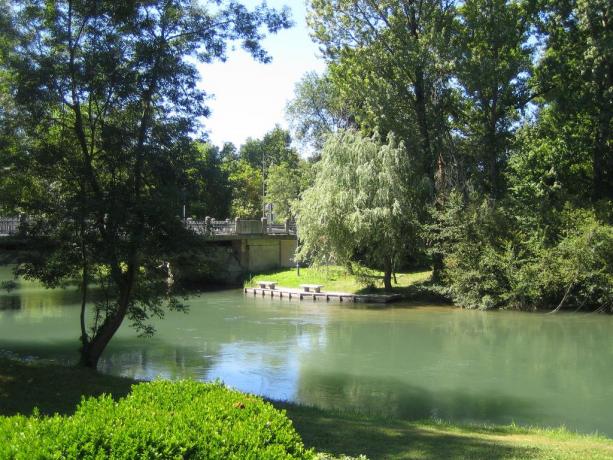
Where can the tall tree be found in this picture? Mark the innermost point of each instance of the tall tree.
(576, 76)
(246, 188)
(10, 186)
(284, 184)
(273, 149)
(492, 66)
(207, 191)
(317, 110)
(107, 97)
(391, 61)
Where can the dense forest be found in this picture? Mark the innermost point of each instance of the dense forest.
(504, 110)
(473, 137)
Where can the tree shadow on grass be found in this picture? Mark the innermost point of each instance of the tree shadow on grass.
(380, 417)
(353, 435)
(45, 375)
(421, 291)
(52, 388)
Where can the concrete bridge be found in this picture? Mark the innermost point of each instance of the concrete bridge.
(238, 246)
(248, 245)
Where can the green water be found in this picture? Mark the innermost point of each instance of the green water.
(411, 361)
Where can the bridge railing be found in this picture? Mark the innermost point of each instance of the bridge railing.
(288, 228)
(9, 226)
(212, 227)
(207, 227)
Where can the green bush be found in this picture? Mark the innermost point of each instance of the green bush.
(165, 420)
(495, 257)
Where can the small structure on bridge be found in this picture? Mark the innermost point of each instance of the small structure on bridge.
(9, 226)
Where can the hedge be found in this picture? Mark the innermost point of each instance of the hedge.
(161, 420)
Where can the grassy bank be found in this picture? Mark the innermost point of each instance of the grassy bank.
(336, 279)
(53, 389)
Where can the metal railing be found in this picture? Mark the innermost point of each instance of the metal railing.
(212, 227)
(208, 227)
(9, 226)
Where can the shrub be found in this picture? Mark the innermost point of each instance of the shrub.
(495, 258)
(166, 420)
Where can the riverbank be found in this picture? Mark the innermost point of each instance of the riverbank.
(336, 279)
(53, 388)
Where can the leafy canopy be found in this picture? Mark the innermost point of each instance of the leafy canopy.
(363, 206)
(108, 102)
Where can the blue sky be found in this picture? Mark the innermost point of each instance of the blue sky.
(248, 97)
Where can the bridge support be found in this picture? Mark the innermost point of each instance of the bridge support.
(261, 254)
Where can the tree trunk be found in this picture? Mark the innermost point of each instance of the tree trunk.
(387, 276)
(563, 301)
(492, 145)
(422, 121)
(602, 187)
(90, 354)
(85, 280)
(437, 267)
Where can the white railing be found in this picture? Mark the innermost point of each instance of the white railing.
(207, 227)
(212, 227)
(9, 226)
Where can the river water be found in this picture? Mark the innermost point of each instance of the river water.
(410, 361)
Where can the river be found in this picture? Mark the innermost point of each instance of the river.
(410, 361)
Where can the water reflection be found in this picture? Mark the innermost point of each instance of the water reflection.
(399, 399)
(32, 299)
(409, 362)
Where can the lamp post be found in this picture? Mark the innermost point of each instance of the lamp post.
(184, 207)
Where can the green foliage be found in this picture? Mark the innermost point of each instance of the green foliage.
(507, 108)
(158, 420)
(493, 64)
(10, 185)
(208, 190)
(257, 158)
(106, 104)
(390, 61)
(576, 79)
(246, 188)
(273, 149)
(495, 259)
(284, 184)
(550, 163)
(363, 207)
(317, 110)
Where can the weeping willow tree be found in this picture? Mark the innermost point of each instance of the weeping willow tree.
(364, 205)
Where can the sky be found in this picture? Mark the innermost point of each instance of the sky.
(249, 98)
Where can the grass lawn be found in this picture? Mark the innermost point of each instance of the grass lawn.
(53, 389)
(336, 279)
